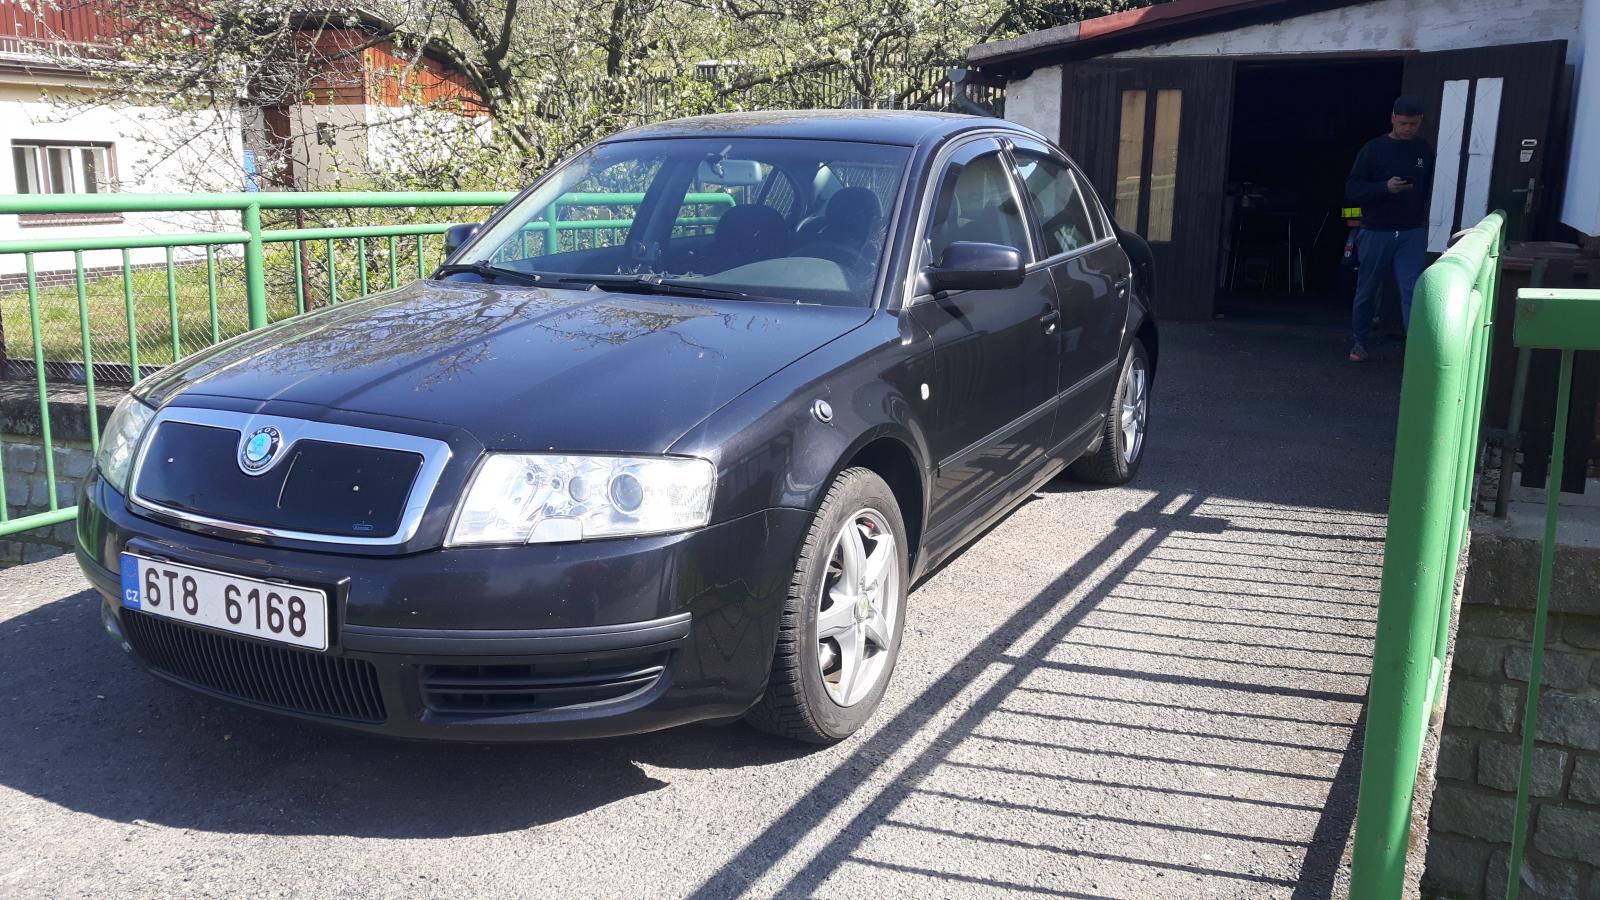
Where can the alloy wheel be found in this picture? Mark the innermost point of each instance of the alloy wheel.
(1135, 407)
(858, 607)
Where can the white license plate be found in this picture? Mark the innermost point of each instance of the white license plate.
(259, 609)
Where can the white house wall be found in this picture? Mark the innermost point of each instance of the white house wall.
(1389, 25)
(1581, 205)
(141, 167)
(1035, 101)
(323, 165)
(402, 134)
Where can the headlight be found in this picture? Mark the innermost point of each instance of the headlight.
(518, 498)
(119, 443)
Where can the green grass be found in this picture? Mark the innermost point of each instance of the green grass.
(61, 328)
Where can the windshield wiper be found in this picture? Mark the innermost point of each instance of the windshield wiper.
(656, 284)
(491, 272)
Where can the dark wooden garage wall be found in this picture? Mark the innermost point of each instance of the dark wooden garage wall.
(1091, 101)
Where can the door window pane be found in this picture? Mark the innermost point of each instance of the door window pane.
(1063, 219)
(976, 203)
(1130, 158)
(1097, 212)
(1164, 164)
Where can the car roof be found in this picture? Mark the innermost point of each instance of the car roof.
(874, 126)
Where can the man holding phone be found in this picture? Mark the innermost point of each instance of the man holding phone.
(1391, 181)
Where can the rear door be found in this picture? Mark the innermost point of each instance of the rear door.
(1164, 174)
(1091, 275)
(995, 351)
(1490, 118)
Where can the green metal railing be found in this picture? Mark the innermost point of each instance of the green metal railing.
(1429, 502)
(1565, 321)
(251, 246)
(1431, 499)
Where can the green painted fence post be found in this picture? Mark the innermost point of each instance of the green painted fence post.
(1541, 615)
(1448, 326)
(255, 279)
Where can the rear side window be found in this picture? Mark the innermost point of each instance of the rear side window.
(1064, 219)
(976, 203)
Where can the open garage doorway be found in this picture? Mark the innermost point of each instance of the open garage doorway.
(1296, 129)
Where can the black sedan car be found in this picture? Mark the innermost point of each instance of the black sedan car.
(667, 439)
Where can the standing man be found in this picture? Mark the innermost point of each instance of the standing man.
(1390, 181)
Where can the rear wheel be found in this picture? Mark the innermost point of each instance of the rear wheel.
(1122, 436)
(840, 632)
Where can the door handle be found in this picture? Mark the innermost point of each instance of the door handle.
(1049, 319)
(1527, 192)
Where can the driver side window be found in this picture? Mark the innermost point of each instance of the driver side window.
(976, 202)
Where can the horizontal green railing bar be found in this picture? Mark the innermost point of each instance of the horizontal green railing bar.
(92, 203)
(127, 242)
(1551, 319)
(279, 235)
(37, 520)
(1429, 501)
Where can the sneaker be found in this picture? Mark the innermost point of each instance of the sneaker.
(1358, 353)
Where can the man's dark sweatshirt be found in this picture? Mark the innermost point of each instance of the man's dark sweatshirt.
(1382, 158)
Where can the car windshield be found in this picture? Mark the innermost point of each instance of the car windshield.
(797, 220)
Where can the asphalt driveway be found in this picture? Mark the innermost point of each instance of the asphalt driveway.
(1152, 691)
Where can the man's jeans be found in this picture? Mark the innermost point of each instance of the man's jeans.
(1378, 252)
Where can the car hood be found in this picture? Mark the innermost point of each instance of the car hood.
(520, 368)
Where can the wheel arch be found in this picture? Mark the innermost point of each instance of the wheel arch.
(893, 460)
(1146, 334)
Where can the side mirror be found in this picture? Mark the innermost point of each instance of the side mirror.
(456, 235)
(971, 266)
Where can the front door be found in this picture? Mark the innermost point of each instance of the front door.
(1092, 280)
(995, 351)
(1163, 175)
(1489, 120)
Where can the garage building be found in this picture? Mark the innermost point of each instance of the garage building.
(1223, 130)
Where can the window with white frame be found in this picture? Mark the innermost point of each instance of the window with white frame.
(44, 167)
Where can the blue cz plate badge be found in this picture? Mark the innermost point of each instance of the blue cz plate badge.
(130, 581)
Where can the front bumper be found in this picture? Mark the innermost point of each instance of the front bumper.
(481, 644)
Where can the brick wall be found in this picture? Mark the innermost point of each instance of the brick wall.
(1474, 799)
(18, 281)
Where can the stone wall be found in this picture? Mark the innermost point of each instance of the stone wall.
(1474, 800)
(28, 491)
(22, 455)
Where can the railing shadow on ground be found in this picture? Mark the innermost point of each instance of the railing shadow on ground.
(259, 773)
(1321, 788)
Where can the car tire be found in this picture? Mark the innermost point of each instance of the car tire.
(1112, 462)
(813, 694)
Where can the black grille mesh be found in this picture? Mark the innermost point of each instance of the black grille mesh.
(287, 678)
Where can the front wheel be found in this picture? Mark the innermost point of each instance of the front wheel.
(1122, 436)
(840, 632)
